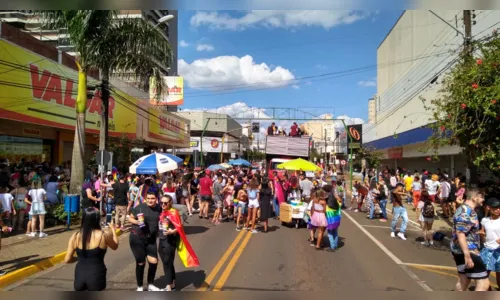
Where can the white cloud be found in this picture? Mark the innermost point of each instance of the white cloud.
(350, 121)
(205, 47)
(183, 43)
(288, 19)
(231, 71)
(368, 83)
(321, 67)
(295, 86)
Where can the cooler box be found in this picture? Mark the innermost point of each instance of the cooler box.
(285, 213)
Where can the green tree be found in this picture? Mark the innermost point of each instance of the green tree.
(371, 157)
(467, 110)
(109, 44)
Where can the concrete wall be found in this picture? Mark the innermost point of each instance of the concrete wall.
(411, 55)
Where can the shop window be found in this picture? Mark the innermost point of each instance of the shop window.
(16, 149)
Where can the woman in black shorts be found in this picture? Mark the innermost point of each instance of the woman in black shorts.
(91, 244)
(145, 218)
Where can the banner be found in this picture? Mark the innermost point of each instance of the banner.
(173, 96)
(355, 138)
(167, 127)
(43, 92)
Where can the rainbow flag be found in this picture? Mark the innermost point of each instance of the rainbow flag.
(184, 249)
(333, 218)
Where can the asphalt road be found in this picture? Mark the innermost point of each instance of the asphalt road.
(282, 260)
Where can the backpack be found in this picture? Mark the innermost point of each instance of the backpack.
(428, 210)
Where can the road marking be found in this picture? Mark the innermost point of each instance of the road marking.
(387, 227)
(431, 266)
(220, 263)
(390, 254)
(230, 266)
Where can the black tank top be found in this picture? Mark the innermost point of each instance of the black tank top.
(91, 257)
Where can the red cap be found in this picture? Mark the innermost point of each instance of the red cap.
(207, 171)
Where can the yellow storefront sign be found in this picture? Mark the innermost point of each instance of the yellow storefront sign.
(167, 127)
(35, 89)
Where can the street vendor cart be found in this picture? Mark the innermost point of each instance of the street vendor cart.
(293, 213)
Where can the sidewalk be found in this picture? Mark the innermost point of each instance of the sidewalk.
(19, 251)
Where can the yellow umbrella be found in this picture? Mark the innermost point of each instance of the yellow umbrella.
(299, 164)
(227, 166)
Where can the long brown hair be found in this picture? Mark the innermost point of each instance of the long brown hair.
(254, 184)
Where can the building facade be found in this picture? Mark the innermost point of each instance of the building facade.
(30, 23)
(413, 60)
(325, 135)
(215, 138)
(37, 111)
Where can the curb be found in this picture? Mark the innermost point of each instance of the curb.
(42, 265)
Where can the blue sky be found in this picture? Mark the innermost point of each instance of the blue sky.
(292, 45)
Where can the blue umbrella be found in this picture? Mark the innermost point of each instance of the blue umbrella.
(239, 162)
(215, 167)
(155, 163)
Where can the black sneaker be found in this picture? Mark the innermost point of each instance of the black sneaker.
(330, 249)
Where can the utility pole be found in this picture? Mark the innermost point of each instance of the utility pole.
(468, 31)
(103, 134)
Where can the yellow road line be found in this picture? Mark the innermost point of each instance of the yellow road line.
(23, 273)
(431, 266)
(225, 275)
(220, 263)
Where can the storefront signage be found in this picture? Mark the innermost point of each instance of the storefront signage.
(49, 90)
(395, 153)
(193, 144)
(214, 143)
(355, 138)
(32, 132)
(168, 127)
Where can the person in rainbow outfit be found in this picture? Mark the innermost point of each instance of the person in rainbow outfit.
(333, 216)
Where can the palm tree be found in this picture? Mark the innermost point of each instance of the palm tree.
(109, 44)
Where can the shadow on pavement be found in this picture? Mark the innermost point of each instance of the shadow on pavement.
(195, 229)
(272, 228)
(184, 279)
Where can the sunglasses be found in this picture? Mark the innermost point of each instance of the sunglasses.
(165, 203)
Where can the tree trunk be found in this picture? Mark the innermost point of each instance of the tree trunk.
(77, 162)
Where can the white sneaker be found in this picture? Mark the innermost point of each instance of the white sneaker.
(43, 234)
(425, 243)
(393, 234)
(153, 288)
(140, 289)
(356, 210)
(431, 243)
(402, 236)
(33, 234)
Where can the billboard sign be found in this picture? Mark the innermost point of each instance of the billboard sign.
(173, 96)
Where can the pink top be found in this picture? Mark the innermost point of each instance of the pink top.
(97, 185)
(278, 191)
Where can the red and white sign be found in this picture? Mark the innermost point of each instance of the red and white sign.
(214, 143)
(343, 162)
(395, 153)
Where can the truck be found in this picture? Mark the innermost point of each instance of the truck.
(280, 149)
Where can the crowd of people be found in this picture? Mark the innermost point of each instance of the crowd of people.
(157, 205)
(475, 243)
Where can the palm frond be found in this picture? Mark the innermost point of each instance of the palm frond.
(136, 46)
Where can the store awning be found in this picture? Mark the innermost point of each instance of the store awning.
(413, 136)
